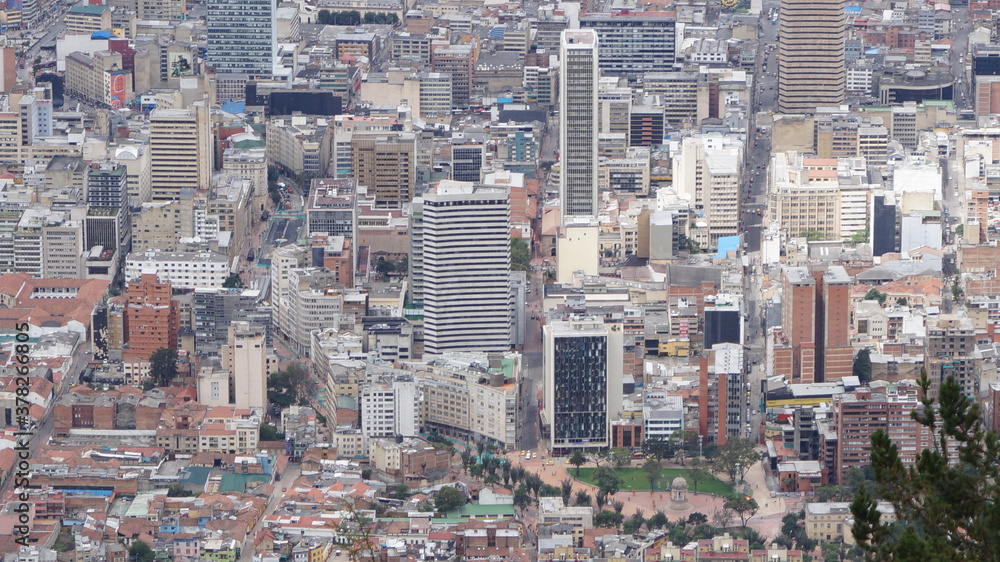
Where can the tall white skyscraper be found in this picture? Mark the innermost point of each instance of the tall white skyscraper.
(465, 233)
(578, 123)
(242, 37)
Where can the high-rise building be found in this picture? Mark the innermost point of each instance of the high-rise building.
(583, 362)
(633, 43)
(180, 149)
(721, 410)
(386, 165)
(856, 415)
(709, 171)
(245, 357)
(152, 318)
(242, 37)
(815, 318)
(216, 309)
(811, 69)
(467, 161)
(578, 126)
(465, 235)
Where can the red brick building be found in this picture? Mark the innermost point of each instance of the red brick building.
(152, 319)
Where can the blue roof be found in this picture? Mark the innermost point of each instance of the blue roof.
(505, 100)
(103, 35)
(855, 9)
(727, 244)
(234, 107)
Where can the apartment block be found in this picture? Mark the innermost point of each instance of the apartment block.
(180, 150)
(152, 318)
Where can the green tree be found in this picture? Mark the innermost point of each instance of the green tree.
(860, 237)
(658, 447)
(960, 230)
(607, 480)
(549, 491)
(956, 293)
(946, 513)
(657, 521)
(369, 17)
(233, 281)
(578, 459)
(811, 235)
(653, 472)
(863, 365)
(744, 508)
(620, 457)
(873, 294)
(448, 499)
(270, 433)
(736, 458)
(583, 498)
(140, 552)
(401, 492)
(520, 255)
(163, 365)
(178, 491)
(522, 499)
(566, 487)
(289, 386)
(697, 474)
(609, 519)
(324, 17)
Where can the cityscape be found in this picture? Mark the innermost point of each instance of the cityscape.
(486, 280)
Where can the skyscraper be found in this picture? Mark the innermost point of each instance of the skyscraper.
(180, 151)
(578, 125)
(242, 37)
(811, 69)
(466, 269)
(583, 362)
(633, 43)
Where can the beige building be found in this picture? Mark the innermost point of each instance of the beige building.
(161, 224)
(249, 164)
(386, 165)
(313, 301)
(160, 10)
(245, 356)
(87, 19)
(472, 396)
(300, 144)
(181, 150)
(138, 170)
(578, 249)
(811, 70)
(99, 79)
(707, 172)
(832, 521)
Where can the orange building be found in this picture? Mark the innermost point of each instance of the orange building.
(152, 318)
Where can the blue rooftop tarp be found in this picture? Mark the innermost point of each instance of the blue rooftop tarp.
(727, 244)
(234, 107)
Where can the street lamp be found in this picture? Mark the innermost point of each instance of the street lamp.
(738, 471)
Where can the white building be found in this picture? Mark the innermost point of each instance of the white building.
(578, 126)
(465, 246)
(707, 173)
(183, 270)
(313, 301)
(389, 409)
(245, 357)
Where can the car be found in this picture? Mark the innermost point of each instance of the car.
(284, 489)
(527, 457)
(550, 463)
(524, 453)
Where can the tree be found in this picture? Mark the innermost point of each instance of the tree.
(577, 459)
(566, 487)
(960, 230)
(943, 512)
(653, 472)
(522, 499)
(697, 518)
(609, 519)
(448, 499)
(873, 294)
(140, 552)
(736, 458)
(607, 480)
(697, 474)
(601, 499)
(863, 365)
(901, 301)
(860, 237)
(178, 491)
(163, 365)
(620, 457)
(549, 491)
(269, 433)
(811, 235)
(658, 447)
(657, 521)
(233, 281)
(744, 508)
(583, 498)
(401, 492)
(289, 386)
(520, 255)
(722, 517)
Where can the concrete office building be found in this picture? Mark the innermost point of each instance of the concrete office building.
(811, 69)
(181, 151)
(815, 319)
(242, 37)
(216, 309)
(633, 43)
(465, 235)
(578, 177)
(582, 362)
(245, 357)
(708, 172)
(386, 165)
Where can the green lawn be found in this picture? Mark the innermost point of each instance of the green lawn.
(637, 479)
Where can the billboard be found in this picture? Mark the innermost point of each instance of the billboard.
(118, 93)
(179, 65)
